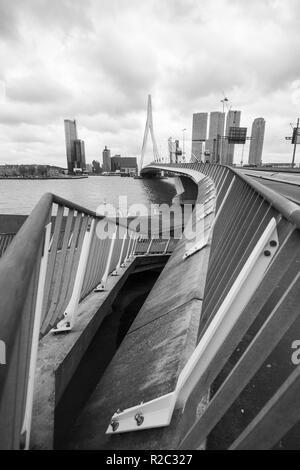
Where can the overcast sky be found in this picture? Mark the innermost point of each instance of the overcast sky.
(97, 60)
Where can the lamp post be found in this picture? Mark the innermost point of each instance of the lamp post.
(225, 100)
(294, 140)
(295, 144)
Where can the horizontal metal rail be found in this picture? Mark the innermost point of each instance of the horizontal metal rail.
(54, 261)
(287, 208)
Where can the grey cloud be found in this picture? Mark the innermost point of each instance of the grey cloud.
(8, 20)
(106, 123)
(64, 14)
(180, 10)
(36, 89)
(15, 113)
(123, 60)
(105, 56)
(26, 133)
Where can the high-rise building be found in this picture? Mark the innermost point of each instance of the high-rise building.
(175, 152)
(257, 141)
(71, 136)
(106, 159)
(74, 147)
(214, 144)
(199, 135)
(79, 155)
(233, 120)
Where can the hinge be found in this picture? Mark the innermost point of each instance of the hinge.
(153, 414)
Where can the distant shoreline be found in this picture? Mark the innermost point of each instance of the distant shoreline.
(40, 178)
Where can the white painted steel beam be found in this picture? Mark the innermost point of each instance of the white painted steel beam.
(67, 323)
(26, 427)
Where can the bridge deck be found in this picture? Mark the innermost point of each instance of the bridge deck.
(159, 343)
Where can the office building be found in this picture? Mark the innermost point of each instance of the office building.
(74, 147)
(89, 168)
(106, 165)
(124, 164)
(199, 135)
(175, 152)
(71, 136)
(233, 120)
(214, 144)
(257, 141)
(79, 155)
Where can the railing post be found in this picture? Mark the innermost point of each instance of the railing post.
(167, 246)
(26, 427)
(149, 247)
(101, 286)
(116, 271)
(67, 323)
(135, 240)
(158, 412)
(128, 250)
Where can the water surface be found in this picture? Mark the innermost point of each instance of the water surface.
(20, 196)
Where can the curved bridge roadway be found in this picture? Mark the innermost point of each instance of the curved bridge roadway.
(287, 184)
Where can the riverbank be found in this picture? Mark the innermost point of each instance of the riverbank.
(43, 178)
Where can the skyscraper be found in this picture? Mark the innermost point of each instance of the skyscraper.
(74, 147)
(175, 152)
(199, 135)
(106, 159)
(79, 155)
(233, 120)
(71, 136)
(216, 132)
(257, 141)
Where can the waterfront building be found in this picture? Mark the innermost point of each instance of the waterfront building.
(54, 171)
(199, 135)
(30, 171)
(257, 141)
(106, 165)
(233, 120)
(71, 136)
(89, 168)
(74, 147)
(214, 144)
(79, 155)
(123, 164)
(9, 170)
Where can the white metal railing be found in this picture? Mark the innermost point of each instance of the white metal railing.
(53, 262)
(158, 412)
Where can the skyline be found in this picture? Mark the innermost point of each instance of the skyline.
(96, 62)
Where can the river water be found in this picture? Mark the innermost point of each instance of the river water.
(20, 196)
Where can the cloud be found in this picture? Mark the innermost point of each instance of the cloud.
(97, 61)
(8, 28)
(34, 89)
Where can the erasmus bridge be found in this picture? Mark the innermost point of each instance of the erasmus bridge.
(212, 355)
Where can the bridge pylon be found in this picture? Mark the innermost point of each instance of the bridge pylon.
(149, 127)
